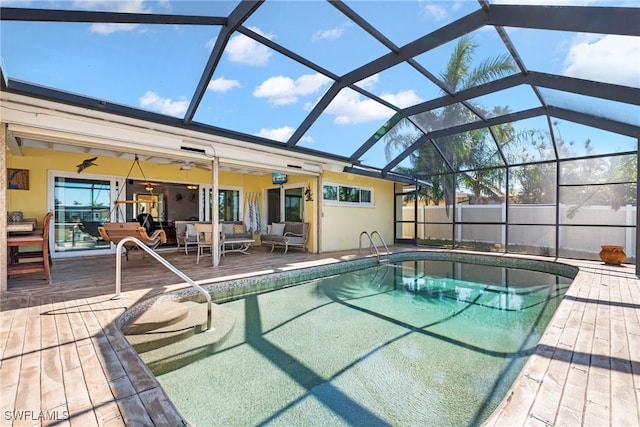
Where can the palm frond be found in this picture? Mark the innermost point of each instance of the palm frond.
(490, 69)
(458, 65)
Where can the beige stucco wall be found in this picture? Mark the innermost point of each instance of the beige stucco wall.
(33, 202)
(341, 225)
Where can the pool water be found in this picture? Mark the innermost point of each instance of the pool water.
(415, 343)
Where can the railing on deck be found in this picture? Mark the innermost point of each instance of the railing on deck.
(166, 264)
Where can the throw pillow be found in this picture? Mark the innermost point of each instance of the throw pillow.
(238, 228)
(227, 229)
(297, 228)
(277, 229)
(191, 230)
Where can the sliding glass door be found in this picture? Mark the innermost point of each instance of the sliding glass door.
(285, 204)
(80, 206)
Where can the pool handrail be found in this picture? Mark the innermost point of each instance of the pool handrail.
(375, 232)
(372, 244)
(166, 264)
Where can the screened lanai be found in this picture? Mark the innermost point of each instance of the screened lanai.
(506, 126)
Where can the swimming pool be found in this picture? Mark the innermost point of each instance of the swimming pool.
(420, 342)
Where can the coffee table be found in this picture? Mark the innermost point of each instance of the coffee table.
(235, 245)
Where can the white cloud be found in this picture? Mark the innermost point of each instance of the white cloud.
(369, 82)
(104, 28)
(349, 107)
(154, 102)
(612, 59)
(245, 50)
(436, 11)
(281, 134)
(278, 134)
(402, 99)
(282, 90)
(129, 6)
(307, 139)
(331, 34)
(222, 85)
(547, 2)
(405, 98)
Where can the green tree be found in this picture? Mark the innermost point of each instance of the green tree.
(464, 151)
(535, 184)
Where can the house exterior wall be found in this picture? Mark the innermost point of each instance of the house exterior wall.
(33, 202)
(341, 225)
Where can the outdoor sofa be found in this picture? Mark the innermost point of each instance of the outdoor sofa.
(230, 231)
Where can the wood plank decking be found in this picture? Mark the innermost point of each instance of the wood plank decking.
(586, 368)
(64, 362)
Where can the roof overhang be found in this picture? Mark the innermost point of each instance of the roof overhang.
(53, 122)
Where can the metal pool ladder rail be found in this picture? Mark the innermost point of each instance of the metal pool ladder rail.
(166, 264)
(373, 245)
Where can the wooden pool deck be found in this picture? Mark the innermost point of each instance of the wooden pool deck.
(65, 362)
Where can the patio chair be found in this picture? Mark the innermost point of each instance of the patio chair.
(185, 234)
(287, 234)
(204, 239)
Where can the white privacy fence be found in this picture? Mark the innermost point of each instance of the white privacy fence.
(576, 240)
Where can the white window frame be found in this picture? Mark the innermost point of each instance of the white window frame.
(337, 202)
(51, 176)
(282, 187)
(204, 202)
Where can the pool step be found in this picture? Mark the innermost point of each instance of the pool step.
(158, 316)
(180, 349)
(167, 331)
(171, 336)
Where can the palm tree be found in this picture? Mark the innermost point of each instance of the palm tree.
(462, 151)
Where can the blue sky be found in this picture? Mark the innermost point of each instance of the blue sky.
(258, 91)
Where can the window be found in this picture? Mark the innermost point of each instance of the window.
(81, 205)
(348, 195)
(330, 192)
(229, 205)
(293, 204)
(285, 204)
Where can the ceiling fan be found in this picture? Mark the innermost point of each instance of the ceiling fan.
(186, 165)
